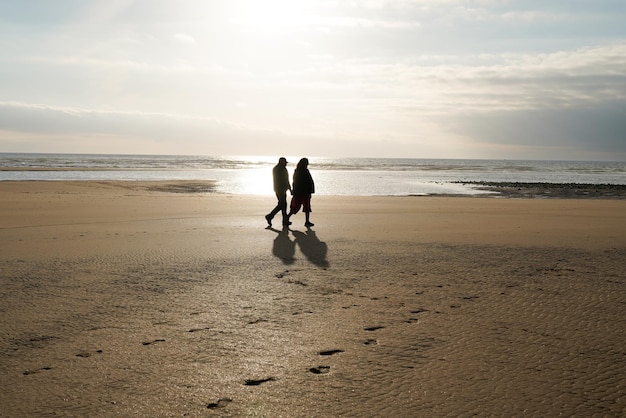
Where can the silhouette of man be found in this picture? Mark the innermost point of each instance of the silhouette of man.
(283, 247)
(281, 185)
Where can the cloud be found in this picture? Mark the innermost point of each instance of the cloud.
(575, 133)
(42, 128)
(75, 130)
(43, 119)
(184, 38)
(563, 79)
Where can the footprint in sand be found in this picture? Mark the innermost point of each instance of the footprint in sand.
(257, 321)
(257, 382)
(419, 310)
(27, 372)
(282, 274)
(221, 403)
(86, 354)
(330, 352)
(153, 342)
(303, 312)
(374, 328)
(198, 329)
(416, 311)
(370, 341)
(320, 369)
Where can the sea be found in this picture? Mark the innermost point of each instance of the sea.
(251, 175)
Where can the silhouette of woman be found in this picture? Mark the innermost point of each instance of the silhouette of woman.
(302, 189)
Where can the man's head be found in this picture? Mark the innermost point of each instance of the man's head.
(282, 161)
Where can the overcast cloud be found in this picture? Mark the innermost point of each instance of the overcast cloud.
(412, 78)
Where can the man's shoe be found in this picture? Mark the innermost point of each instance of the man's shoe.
(268, 218)
(286, 223)
(309, 224)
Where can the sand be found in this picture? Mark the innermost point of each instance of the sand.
(159, 299)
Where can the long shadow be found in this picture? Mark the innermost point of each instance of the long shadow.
(313, 249)
(283, 247)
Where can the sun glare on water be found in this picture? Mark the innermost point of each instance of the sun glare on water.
(257, 179)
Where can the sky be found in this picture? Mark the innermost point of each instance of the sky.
(493, 79)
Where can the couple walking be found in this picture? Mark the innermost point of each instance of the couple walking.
(303, 188)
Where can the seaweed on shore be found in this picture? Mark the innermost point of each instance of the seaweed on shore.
(551, 190)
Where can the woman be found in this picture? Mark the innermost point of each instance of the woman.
(302, 189)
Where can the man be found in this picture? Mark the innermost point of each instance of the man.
(281, 185)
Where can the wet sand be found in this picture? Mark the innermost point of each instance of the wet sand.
(161, 299)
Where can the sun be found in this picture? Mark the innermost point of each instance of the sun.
(270, 14)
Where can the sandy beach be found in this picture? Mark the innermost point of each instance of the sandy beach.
(164, 299)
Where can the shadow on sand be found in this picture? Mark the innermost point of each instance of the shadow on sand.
(313, 249)
(283, 247)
